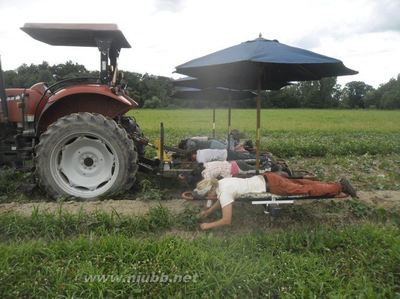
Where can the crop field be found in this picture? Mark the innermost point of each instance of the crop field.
(149, 244)
(285, 133)
(272, 120)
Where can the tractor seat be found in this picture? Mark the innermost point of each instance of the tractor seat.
(40, 87)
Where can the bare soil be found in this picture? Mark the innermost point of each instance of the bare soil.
(122, 207)
(380, 199)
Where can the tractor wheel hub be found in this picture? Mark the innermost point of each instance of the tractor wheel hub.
(87, 163)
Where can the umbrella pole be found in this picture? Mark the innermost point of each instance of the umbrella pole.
(229, 121)
(258, 128)
(213, 125)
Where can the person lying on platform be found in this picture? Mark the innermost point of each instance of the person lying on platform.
(208, 155)
(225, 191)
(203, 142)
(225, 169)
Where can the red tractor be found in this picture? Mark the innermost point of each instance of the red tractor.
(75, 130)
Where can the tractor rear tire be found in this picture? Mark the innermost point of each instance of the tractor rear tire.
(85, 155)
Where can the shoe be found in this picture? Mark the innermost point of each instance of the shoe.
(347, 187)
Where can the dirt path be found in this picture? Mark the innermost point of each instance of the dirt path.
(384, 199)
(122, 207)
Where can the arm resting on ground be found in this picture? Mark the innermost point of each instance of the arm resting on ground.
(211, 210)
(225, 220)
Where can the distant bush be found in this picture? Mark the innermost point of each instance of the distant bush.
(154, 102)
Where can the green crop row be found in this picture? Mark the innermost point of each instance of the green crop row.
(323, 144)
(366, 172)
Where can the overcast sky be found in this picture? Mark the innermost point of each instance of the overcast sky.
(364, 34)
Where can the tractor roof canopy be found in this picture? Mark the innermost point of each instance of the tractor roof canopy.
(80, 35)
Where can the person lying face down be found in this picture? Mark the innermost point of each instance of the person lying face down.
(209, 155)
(225, 191)
(203, 142)
(223, 169)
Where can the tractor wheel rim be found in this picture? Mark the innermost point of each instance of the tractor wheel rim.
(84, 165)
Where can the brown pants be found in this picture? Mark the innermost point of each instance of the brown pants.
(283, 186)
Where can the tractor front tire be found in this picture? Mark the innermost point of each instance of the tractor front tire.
(85, 155)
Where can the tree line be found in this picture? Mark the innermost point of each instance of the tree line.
(152, 91)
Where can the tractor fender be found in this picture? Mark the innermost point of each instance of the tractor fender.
(89, 98)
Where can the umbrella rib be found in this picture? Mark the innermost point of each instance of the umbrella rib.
(312, 74)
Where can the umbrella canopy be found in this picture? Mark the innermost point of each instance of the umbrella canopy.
(187, 82)
(262, 64)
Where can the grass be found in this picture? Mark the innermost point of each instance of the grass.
(10, 180)
(355, 261)
(63, 225)
(309, 252)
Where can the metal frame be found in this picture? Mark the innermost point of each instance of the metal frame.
(108, 60)
(270, 200)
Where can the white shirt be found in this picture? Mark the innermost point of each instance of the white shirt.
(231, 188)
(214, 169)
(208, 155)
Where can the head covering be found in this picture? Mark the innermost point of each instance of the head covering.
(202, 190)
(203, 187)
(197, 196)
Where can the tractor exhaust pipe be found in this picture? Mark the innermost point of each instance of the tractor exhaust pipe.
(3, 97)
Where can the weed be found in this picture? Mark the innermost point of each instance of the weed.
(11, 182)
(189, 219)
(148, 191)
(62, 224)
(359, 209)
(366, 172)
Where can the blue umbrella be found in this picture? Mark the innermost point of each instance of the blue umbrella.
(261, 64)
